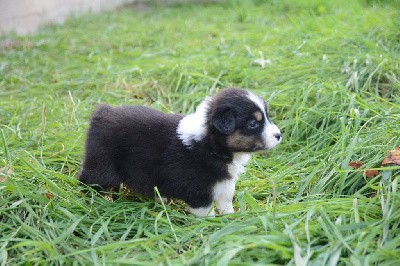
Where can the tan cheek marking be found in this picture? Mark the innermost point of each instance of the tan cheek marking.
(258, 115)
(238, 141)
(234, 140)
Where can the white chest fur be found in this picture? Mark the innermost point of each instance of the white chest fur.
(223, 191)
(238, 164)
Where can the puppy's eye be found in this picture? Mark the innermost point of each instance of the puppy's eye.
(253, 124)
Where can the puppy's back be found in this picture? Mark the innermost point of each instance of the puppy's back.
(124, 143)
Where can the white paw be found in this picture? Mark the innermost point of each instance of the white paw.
(202, 212)
(227, 209)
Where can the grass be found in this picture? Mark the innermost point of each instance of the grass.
(332, 81)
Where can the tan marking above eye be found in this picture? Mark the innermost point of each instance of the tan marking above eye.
(258, 115)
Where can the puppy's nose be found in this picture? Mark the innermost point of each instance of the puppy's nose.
(278, 136)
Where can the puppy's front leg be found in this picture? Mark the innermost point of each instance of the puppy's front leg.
(223, 194)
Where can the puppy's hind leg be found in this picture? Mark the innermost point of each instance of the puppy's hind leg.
(97, 171)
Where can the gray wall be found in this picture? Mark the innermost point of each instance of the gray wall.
(25, 16)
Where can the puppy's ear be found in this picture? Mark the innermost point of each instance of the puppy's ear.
(224, 121)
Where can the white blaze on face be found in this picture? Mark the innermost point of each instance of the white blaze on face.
(271, 133)
(257, 101)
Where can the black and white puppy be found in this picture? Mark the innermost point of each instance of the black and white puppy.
(196, 158)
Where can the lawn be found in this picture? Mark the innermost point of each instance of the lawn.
(330, 72)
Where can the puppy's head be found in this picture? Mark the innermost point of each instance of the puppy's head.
(240, 119)
(236, 119)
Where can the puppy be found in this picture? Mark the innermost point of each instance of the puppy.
(196, 158)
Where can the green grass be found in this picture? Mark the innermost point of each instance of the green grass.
(334, 90)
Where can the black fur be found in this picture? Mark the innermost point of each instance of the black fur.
(139, 146)
(124, 147)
